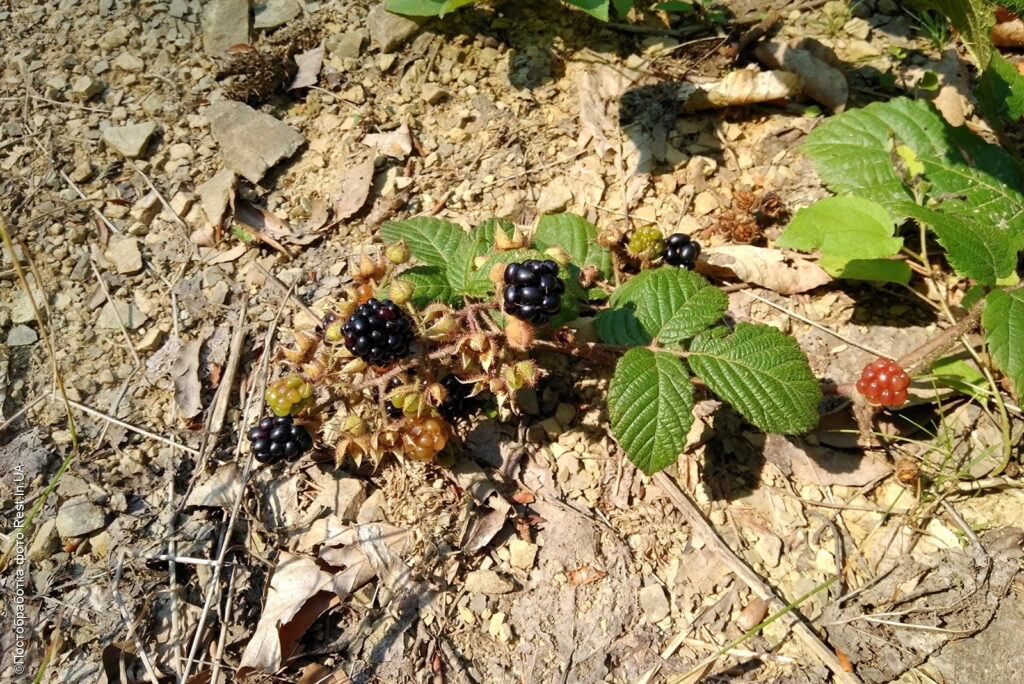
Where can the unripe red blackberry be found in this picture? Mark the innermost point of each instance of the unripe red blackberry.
(884, 382)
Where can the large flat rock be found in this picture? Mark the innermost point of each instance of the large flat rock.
(225, 23)
(250, 141)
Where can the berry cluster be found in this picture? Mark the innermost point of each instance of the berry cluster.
(681, 251)
(378, 332)
(289, 395)
(425, 437)
(390, 408)
(458, 403)
(277, 438)
(646, 242)
(533, 291)
(883, 382)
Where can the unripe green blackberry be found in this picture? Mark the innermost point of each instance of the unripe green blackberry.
(646, 243)
(289, 395)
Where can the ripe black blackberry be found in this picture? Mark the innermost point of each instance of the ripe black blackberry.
(277, 438)
(533, 291)
(378, 332)
(458, 403)
(681, 251)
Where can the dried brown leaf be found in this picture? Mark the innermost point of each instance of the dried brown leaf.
(740, 88)
(220, 489)
(770, 268)
(354, 189)
(822, 82)
(1009, 34)
(309, 63)
(585, 575)
(396, 143)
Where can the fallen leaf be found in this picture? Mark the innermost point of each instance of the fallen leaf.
(354, 188)
(585, 575)
(232, 254)
(396, 143)
(263, 225)
(185, 376)
(742, 87)
(220, 490)
(822, 82)
(771, 268)
(299, 593)
(309, 68)
(596, 85)
(1009, 34)
(523, 497)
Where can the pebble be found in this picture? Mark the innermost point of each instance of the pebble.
(274, 13)
(432, 93)
(146, 209)
(114, 38)
(555, 197)
(522, 554)
(345, 45)
(705, 203)
(488, 582)
(225, 23)
(565, 414)
(126, 61)
(131, 316)
(178, 9)
(82, 172)
(654, 603)
(78, 516)
(387, 30)
(84, 87)
(45, 543)
(125, 255)
(151, 340)
(21, 336)
(250, 141)
(131, 140)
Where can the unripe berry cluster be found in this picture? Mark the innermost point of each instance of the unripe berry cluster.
(289, 395)
(425, 438)
(884, 382)
(646, 242)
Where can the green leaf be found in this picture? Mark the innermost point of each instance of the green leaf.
(479, 284)
(1003, 320)
(877, 270)
(622, 7)
(668, 304)
(595, 8)
(431, 285)
(760, 371)
(417, 8)
(961, 376)
(675, 6)
(484, 234)
(853, 154)
(976, 250)
(650, 404)
(577, 237)
(845, 229)
(973, 20)
(431, 241)
(1000, 92)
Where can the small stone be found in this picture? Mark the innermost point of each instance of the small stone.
(225, 23)
(654, 603)
(251, 142)
(146, 209)
(387, 30)
(488, 582)
(114, 38)
(84, 87)
(857, 50)
(131, 316)
(182, 202)
(151, 340)
(124, 254)
(78, 516)
(565, 414)
(432, 93)
(704, 203)
(178, 9)
(130, 140)
(126, 61)
(45, 543)
(180, 151)
(21, 336)
(522, 554)
(555, 197)
(274, 13)
(21, 310)
(552, 428)
(887, 7)
(346, 45)
(769, 548)
(82, 172)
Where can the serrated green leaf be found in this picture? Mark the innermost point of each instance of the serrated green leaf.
(1003, 320)
(650, 404)
(668, 304)
(1000, 92)
(416, 8)
(973, 20)
(577, 237)
(843, 228)
(853, 153)
(479, 284)
(430, 285)
(959, 375)
(431, 241)
(760, 371)
(595, 8)
(976, 250)
(483, 234)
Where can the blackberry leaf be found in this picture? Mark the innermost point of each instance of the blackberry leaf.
(430, 285)
(650, 403)
(431, 241)
(668, 303)
(1003, 320)
(760, 371)
(976, 250)
(577, 237)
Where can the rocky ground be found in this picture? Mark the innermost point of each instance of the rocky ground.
(542, 555)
